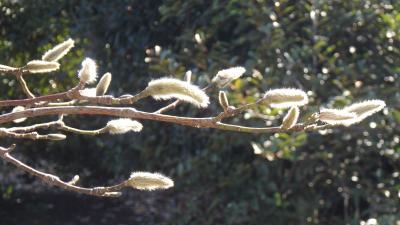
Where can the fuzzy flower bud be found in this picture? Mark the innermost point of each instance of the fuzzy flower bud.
(58, 51)
(19, 109)
(56, 137)
(291, 118)
(121, 126)
(103, 84)
(149, 181)
(223, 100)
(39, 66)
(167, 88)
(336, 116)
(365, 109)
(88, 73)
(224, 77)
(285, 97)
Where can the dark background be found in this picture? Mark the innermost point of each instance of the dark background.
(341, 51)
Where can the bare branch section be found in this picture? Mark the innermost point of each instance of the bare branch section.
(81, 100)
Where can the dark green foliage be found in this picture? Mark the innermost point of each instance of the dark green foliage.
(349, 52)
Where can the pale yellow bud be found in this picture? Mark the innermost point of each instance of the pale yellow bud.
(226, 76)
(285, 97)
(88, 73)
(365, 109)
(223, 100)
(336, 116)
(56, 137)
(121, 126)
(291, 118)
(39, 66)
(103, 84)
(149, 181)
(167, 88)
(58, 51)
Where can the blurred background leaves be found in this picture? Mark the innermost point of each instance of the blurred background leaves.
(339, 51)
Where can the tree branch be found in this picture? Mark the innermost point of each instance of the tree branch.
(110, 191)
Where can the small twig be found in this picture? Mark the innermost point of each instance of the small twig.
(24, 86)
(84, 132)
(26, 129)
(110, 191)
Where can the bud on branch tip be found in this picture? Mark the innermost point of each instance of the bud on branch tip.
(103, 84)
(285, 97)
(121, 126)
(336, 116)
(167, 88)
(39, 66)
(58, 51)
(224, 77)
(88, 73)
(291, 118)
(149, 181)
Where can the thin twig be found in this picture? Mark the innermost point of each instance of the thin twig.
(110, 191)
(24, 87)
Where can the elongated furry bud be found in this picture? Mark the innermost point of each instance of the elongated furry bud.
(121, 126)
(291, 118)
(336, 116)
(224, 77)
(223, 100)
(149, 181)
(88, 73)
(19, 109)
(365, 109)
(39, 66)
(58, 51)
(56, 137)
(285, 97)
(167, 88)
(103, 84)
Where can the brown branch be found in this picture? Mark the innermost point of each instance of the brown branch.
(126, 112)
(74, 95)
(110, 191)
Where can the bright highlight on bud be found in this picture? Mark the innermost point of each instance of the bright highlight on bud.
(149, 181)
(121, 126)
(291, 118)
(167, 88)
(58, 51)
(336, 116)
(365, 109)
(224, 77)
(88, 92)
(285, 97)
(223, 100)
(56, 137)
(39, 66)
(19, 109)
(103, 84)
(88, 73)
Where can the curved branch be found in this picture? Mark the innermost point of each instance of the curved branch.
(110, 191)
